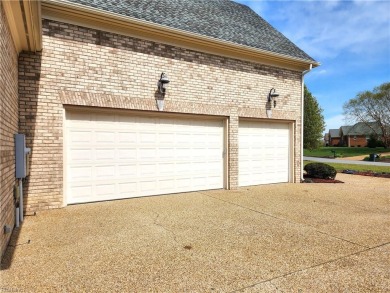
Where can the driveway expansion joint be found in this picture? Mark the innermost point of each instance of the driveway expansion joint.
(287, 220)
(310, 267)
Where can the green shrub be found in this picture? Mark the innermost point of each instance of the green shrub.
(320, 170)
(374, 142)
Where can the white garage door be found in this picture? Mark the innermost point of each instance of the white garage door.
(263, 153)
(120, 156)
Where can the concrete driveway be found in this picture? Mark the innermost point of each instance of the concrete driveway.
(284, 237)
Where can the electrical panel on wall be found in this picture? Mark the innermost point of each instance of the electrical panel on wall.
(22, 154)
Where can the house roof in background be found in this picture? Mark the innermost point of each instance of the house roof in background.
(345, 129)
(334, 133)
(220, 19)
(362, 128)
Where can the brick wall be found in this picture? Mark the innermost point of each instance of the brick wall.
(357, 141)
(87, 67)
(334, 141)
(8, 126)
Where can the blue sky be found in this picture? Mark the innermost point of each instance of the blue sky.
(351, 40)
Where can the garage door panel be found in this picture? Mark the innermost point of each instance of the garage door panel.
(127, 137)
(165, 138)
(102, 154)
(127, 188)
(81, 192)
(147, 186)
(263, 152)
(105, 190)
(131, 156)
(81, 136)
(147, 170)
(126, 171)
(77, 154)
(147, 153)
(105, 172)
(80, 173)
(127, 153)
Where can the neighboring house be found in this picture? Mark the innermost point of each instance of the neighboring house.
(358, 134)
(79, 78)
(326, 139)
(334, 137)
(343, 131)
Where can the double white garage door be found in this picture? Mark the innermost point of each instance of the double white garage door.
(121, 156)
(112, 156)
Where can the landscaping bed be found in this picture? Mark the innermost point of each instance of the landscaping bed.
(343, 152)
(308, 179)
(367, 173)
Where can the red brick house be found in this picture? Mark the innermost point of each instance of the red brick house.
(334, 137)
(358, 134)
(79, 79)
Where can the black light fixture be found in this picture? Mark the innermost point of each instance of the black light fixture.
(272, 95)
(162, 87)
(162, 83)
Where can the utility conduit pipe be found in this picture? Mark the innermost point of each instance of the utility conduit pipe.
(302, 109)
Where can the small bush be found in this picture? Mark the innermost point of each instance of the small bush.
(320, 170)
(374, 142)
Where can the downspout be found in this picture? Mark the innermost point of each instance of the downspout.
(302, 109)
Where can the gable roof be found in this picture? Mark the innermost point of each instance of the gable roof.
(334, 133)
(345, 129)
(220, 19)
(362, 128)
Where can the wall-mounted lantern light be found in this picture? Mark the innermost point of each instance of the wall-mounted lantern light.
(162, 83)
(272, 95)
(162, 87)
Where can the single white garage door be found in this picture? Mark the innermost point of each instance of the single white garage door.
(264, 153)
(121, 156)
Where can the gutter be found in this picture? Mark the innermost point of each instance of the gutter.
(302, 110)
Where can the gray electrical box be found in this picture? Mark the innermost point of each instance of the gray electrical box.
(22, 155)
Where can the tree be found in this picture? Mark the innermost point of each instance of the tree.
(372, 106)
(313, 122)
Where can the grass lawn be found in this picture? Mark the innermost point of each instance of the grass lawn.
(340, 167)
(325, 152)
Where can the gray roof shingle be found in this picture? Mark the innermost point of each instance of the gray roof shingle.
(345, 129)
(221, 19)
(362, 128)
(334, 133)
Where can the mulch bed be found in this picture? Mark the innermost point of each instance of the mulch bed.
(372, 174)
(308, 179)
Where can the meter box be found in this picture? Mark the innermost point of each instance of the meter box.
(22, 154)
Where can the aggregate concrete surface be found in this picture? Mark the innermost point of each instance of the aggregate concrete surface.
(269, 238)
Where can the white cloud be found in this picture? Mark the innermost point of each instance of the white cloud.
(318, 72)
(325, 29)
(334, 122)
(259, 6)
